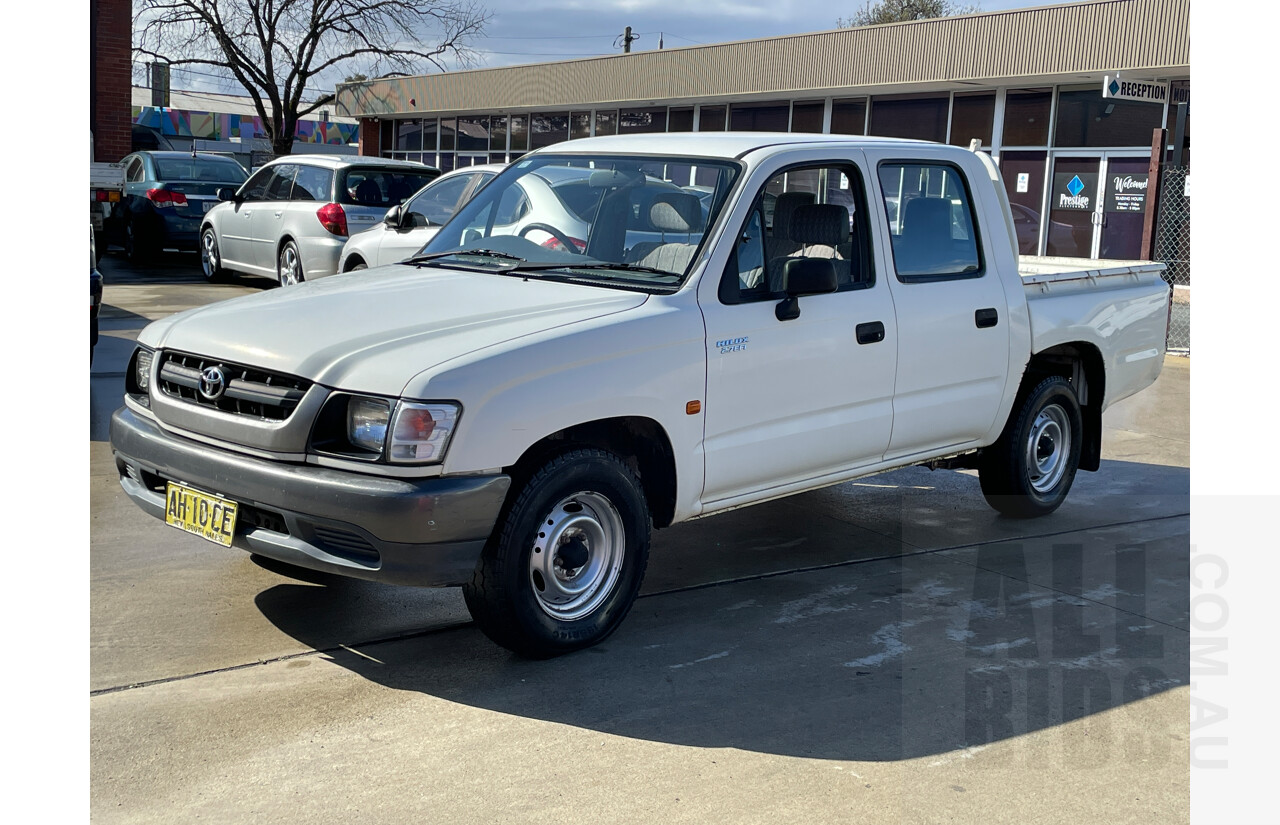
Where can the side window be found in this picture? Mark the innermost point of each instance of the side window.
(255, 188)
(806, 212)
(135, 171)
(312, 183)
(931, 222)
(281, 185)
(436, 204)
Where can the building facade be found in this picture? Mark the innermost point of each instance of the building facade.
(1028, 85)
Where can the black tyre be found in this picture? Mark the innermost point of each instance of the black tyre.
(137, 247)
(211, 256)
(1029, 470)
(358, 267)
(566, 558)
(289, 265)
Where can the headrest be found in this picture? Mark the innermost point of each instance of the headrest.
(826, 224)
(675, 212)
(784, 209)
(369, 192)
(927, 217)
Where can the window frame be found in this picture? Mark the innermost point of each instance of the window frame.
(973, 222)
(863, 238)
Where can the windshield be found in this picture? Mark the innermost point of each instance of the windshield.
(628, 221)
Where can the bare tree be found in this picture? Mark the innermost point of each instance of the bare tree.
(897, 11)
(275, 48)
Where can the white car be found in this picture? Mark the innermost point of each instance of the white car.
(406, 228)
(291, 218)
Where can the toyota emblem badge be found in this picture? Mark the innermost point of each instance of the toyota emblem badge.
(212, 383)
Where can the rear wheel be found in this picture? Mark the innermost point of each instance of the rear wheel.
(210, 259)
(1029, 470)
(289, 265)
(136, 246)
(565, 562)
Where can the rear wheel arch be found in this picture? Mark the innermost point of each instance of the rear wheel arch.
(1081, 363)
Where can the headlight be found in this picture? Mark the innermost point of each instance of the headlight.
(367, 423)
(138, 378)
(421, 432)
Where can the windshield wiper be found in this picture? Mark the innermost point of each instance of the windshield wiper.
(625, 268)
(483, 253)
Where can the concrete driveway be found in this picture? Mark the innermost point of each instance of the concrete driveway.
(888, 650)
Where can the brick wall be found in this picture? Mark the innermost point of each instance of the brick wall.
(110, 95)
(369, 136)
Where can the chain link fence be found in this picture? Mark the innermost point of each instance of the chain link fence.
(1173, 248)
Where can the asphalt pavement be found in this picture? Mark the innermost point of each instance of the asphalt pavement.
(886, 650)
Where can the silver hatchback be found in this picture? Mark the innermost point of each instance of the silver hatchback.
(290, 219)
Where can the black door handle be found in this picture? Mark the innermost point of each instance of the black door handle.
(984, 318)
(871, 332)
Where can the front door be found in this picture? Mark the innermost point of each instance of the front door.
(797, 398)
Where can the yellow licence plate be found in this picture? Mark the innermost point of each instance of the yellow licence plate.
(207, 516)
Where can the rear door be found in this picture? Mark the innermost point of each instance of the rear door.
(953, 320)
(792, 400)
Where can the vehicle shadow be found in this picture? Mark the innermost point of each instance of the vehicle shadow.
(874, 657)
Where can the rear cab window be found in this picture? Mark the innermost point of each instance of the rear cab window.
(381, 187)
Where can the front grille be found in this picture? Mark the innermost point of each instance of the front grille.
(244, 390)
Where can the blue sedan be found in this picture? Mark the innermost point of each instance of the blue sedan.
(165, 197)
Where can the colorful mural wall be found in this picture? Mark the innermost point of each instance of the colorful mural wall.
(221, 126)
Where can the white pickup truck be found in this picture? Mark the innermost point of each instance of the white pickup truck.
(656, 329)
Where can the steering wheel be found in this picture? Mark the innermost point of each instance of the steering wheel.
(564, 239)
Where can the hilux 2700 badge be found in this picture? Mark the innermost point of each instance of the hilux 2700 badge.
(732, 345)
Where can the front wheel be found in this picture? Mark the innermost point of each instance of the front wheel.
(289, 265)
(565, 562)
(1029, 470)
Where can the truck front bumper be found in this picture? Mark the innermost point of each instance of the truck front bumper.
(426, 532)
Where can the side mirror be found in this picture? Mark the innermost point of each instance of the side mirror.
(805, 276)
(392, 218)
(226, 193)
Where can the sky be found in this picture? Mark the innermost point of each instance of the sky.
(537, 31)
(534, 31)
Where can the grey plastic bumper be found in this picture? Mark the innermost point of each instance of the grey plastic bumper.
(401, 531)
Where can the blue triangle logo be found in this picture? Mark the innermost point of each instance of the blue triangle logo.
(1076, 186)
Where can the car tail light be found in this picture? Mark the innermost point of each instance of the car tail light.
(554, 243)
(165, 197)
(106, 195)
(333, 218)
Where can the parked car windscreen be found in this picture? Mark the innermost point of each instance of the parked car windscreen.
(382, 188)
(631, 220)
(198, 168)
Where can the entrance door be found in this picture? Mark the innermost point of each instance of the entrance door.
(1096, 205)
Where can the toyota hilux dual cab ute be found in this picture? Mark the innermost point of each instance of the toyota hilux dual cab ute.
(729, 318)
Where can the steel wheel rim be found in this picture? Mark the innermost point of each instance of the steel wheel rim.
(209, 255)
(1048, 448)
(580, 520)
(289, 266)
